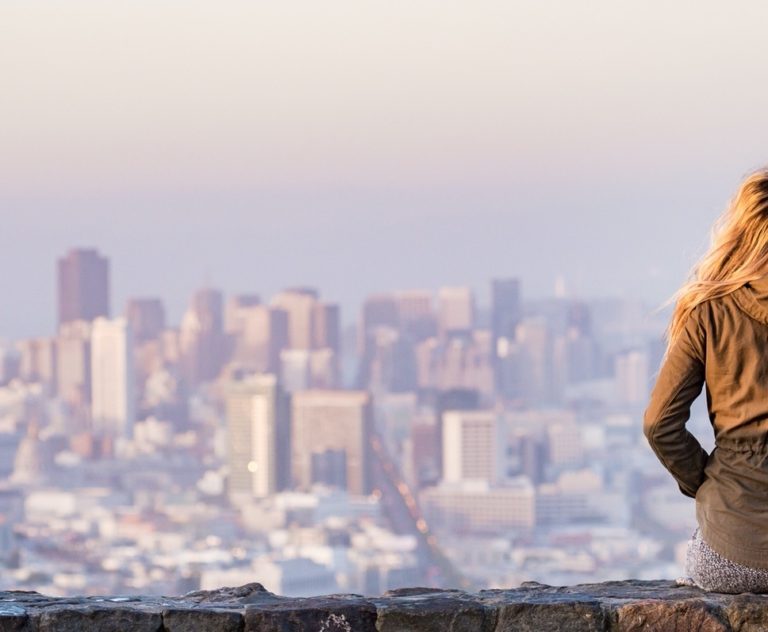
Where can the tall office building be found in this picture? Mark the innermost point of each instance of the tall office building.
(202, 341)
(260, 334)
(146, 318)
(83, 285)
(456, 310)
(300, 305)
(506, 314)
(416, 314)
(506, 310)
(377, 310)
(112, 375)
(234, 309)
(474, 446)
(313, 338)
(631, 369)
(325, 327)
(330, 439)
(534, 337)
(37, 362)
(73, 364)
(258, 435)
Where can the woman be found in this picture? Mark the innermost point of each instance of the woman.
(718, 335)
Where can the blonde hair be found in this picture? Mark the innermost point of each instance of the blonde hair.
(738, 252)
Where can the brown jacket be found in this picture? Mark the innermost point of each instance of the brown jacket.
(725, 345)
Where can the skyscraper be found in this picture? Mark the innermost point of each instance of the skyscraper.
(323, 425)
(300, 305)
(112, 378)
(506, 311)
(506, 314)
(259, 334)
(203, 345)
(416, 314)
(73, 365)
(83, 285)
(258, 431)
(326, 323)
(474, 446)
(377, 310)
(146, 318)
(456, 310)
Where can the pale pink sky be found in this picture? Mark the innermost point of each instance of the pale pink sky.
(364, 145)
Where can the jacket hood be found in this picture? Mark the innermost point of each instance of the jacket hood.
(753, 299)
(760, 289)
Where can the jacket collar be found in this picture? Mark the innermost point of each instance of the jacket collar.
(749, 296)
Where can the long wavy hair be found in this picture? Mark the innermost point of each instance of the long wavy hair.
(738, 252)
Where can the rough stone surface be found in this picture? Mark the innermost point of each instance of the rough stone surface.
(202, 620)
(623, 606)
(333, 613)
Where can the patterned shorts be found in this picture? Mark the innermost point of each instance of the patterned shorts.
(711, 571)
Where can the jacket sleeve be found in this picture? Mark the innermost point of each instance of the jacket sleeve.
(679, 382)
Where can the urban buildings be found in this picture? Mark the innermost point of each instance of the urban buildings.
(83, 285)
(330, 439)
(464, 445)
(113, 399)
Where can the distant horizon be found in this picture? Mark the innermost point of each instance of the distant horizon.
(174, 312)
(363, 147)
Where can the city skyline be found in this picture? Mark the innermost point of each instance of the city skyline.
(172, 311)
(436, 427)
(348, 297)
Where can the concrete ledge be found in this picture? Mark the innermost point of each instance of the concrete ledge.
(626, 605)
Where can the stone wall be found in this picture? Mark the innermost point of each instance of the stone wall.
(627, 605)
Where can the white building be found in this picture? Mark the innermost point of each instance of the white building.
(632, 371)
(252, 409)
(474, 446)
(112, 378)
(477, 507)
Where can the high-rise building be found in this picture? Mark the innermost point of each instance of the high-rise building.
(326, 325)
(202, 341)
(258, 434)
(456, 310)
(452, 400)
(464, 361)
(83, 285)
(146, 318)
(632, 376)
(295, 369)
(112, 373)
(73, 364)
(508, 361)
(416, 314)
(326, 346)
(313, 339)
(233, 310)
(506, 311)
(390, 364)
(378, 310)
(325, 424)
(300, 305)
(534, 338)
(260, 334)
(37, 362)
(474, 446)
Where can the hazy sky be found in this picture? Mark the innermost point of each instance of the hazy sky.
(364, 146)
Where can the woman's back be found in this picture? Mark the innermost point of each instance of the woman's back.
(724, 345)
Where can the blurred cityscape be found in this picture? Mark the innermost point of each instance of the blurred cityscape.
(425, 440)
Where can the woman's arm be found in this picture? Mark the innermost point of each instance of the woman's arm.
(679, 383)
